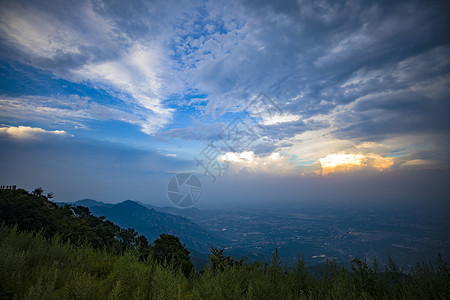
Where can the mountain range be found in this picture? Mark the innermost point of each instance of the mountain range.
(152, 223)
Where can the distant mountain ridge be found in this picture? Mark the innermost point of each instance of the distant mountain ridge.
(91, 203)
(148, 221)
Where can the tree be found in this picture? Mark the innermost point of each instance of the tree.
(168, 248)
(38, 191)
(142, 242)
(219, 261)
(143, 247)
(82, 211)
(127, 237)
(276, 259)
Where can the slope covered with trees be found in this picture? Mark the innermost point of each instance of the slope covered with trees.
(34, 211)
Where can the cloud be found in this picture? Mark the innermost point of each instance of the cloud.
(336, 163)
(248, 162)
(310, 148)
(345, 87)
(279, 119)
(26, 132)
(87, 47)
(70, 110)
(135, 77)
(199, 132)
(339, 71)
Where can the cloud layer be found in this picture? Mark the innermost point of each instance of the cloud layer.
(349, 78)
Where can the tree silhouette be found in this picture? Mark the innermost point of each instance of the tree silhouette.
(168, 248)
(127, 237)
(38, 191)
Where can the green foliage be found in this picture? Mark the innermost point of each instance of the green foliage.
(168, 249)
(38, 192)
(34, 212)
(31, 266)
(219, 261)
(35, 267)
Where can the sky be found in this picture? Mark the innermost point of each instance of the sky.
(263, 101)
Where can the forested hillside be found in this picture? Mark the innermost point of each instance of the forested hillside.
(34, 212)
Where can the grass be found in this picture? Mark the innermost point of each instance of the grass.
(35, 267)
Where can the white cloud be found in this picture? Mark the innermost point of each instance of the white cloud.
(26, 132)
(97, 52)
(279, 119)
(247, 161)
(314, 144)
(39, 35)
(137, 76)
(68, 111)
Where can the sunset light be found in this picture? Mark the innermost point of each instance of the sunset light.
(334, 163)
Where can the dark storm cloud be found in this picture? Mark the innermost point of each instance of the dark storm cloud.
(397, 46)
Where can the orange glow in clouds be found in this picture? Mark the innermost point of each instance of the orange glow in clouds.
(333, 163)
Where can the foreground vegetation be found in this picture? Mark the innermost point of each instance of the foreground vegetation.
(75, 224)
(35, 264)
(34, 267)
